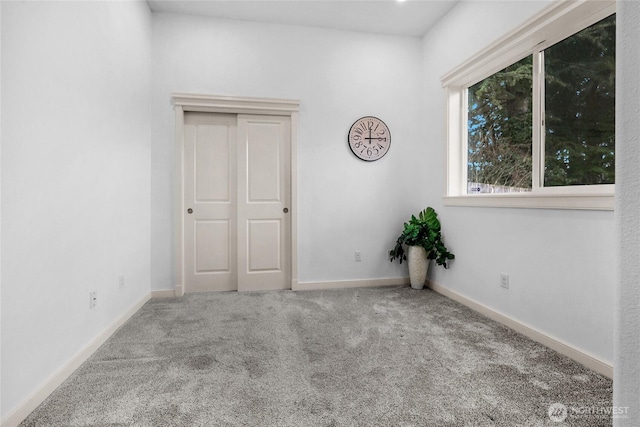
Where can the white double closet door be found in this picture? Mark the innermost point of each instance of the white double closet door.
(237, 190)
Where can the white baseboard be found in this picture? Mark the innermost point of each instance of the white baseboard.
(341, 284)
(555, 344)
(163, 294)
(179, 291)
(32, 401)
(168, 293)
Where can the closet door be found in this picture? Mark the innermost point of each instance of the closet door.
(237, 192)
(264, 194)
(210, 212)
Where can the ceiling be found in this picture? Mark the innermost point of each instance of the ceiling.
(408, 18)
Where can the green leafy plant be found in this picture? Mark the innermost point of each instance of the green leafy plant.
(422, 231)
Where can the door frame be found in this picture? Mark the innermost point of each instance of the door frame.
(184, 103)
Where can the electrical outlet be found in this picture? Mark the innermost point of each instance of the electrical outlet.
(93, 299)
(121, 281)
(358, 256)
(504, 280)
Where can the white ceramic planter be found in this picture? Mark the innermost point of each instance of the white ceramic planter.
(418, 266)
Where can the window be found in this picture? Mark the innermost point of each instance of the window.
(499, 132)
(579, 107)
(531, 120)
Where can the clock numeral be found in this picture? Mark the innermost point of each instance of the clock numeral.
(382, 132)
(369, 152)
(358, 130)
(357, 144)
(356, 137)
(381, 146)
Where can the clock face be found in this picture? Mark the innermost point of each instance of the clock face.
(369, 138)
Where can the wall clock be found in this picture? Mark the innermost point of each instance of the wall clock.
(369, 138)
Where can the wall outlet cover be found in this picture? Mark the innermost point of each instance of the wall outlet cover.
(93, 299)
(504, 280)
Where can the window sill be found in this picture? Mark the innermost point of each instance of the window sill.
(599, 202)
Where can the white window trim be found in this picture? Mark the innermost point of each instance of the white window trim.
(555, 23)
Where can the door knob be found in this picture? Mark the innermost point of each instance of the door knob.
(285, 210)
(189, 211)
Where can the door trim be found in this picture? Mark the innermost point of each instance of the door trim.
(183, 103)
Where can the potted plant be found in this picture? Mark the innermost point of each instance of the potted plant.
(423, 239)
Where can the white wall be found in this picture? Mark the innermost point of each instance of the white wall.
(626, 378)
(345, 204)
(560, 262)
(75, 179)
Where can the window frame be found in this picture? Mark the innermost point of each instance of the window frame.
(554, 24)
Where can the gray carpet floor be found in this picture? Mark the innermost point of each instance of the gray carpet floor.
(361, 357)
